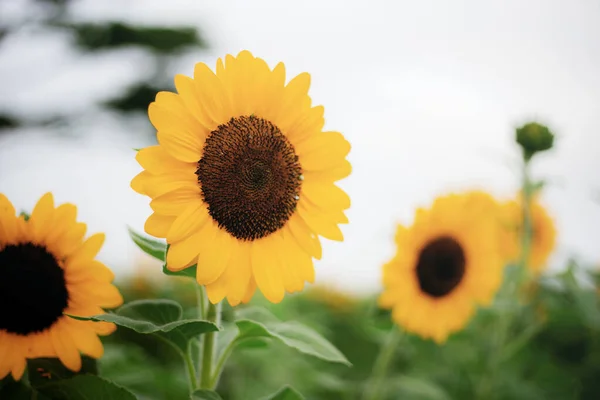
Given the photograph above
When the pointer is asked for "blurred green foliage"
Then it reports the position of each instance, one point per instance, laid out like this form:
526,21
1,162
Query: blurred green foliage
553,349
163,44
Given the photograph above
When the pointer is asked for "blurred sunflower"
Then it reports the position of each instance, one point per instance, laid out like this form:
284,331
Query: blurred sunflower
446,263
242,181
47,269
544,234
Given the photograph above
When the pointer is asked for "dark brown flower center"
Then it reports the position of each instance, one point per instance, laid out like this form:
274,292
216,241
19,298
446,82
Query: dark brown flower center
250,177
33,290
441,266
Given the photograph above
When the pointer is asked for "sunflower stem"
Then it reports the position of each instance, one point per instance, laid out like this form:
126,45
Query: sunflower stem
213,314
527,231
191,370
382,362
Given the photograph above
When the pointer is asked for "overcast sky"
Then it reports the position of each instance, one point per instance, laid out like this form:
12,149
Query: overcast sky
428,93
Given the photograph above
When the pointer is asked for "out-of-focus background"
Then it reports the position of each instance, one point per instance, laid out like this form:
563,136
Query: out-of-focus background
428,93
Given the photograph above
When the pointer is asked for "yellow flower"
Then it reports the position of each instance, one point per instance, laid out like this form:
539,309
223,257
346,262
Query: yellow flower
446,264
543,240
242,180
47,269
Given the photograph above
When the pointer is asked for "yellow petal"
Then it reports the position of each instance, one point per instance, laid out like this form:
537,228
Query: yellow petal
88,250
42,217
249,291
323,151
286,252
325,195
138,182
157,185
266,269
215,253
305,237
188,222
183,254
216,108
85,339
158,225
238,273
156,160
183,146
65,347
177,201
8,226
319,223
169,114
5,204
190,96
307,126
88,270
331,174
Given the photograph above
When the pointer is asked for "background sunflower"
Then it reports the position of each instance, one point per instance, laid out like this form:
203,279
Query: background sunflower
446,263
543,230
47,269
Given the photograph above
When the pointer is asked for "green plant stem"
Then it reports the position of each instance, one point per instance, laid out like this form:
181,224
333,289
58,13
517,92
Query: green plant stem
191,370
382,363
208,347
201,300
501,350
221,362
527,231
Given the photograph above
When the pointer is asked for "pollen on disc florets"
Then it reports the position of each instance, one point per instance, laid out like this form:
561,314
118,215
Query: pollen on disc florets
440,266
249,174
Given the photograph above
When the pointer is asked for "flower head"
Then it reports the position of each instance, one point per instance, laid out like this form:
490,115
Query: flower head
242,181
47,269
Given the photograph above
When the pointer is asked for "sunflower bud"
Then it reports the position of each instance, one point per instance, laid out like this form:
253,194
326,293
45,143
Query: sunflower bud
534,138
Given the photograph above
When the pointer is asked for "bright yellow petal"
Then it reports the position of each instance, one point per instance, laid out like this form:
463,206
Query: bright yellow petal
65,347
85,339
333,174
215,253
156,160
42,217
183,254
176,202
325,195
323,151
88,250
158,225
305,237
267,270
319,223
188,222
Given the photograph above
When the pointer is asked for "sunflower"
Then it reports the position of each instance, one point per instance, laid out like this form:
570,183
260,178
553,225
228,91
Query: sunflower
543,234
446,264
47,269
242,181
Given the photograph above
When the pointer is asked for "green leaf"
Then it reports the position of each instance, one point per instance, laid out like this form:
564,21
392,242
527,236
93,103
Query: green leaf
41,371
160,317
149,246
417,388
189,272
292,334
85,387
286,393
205,395
25,215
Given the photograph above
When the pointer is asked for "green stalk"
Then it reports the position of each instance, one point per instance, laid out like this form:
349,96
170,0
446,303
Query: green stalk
382,363
213,314
191,371
527,231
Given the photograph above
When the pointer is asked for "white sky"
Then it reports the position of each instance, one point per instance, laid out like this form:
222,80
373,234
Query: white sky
427,92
